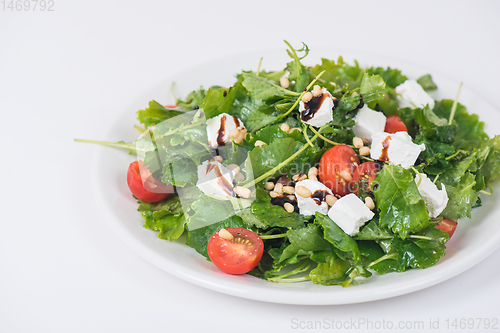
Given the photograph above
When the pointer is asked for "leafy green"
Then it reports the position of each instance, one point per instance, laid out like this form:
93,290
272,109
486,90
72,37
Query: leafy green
333,272
427,83
307,239
337,237
193,100
400,205
391,76
218,101
461,198
155,114
166,217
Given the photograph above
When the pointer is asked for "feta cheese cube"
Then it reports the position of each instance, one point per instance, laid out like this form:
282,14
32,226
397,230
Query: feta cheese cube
435,200
219,128
396,148
350,213
412,95
368,121
315,203
216,180
318,111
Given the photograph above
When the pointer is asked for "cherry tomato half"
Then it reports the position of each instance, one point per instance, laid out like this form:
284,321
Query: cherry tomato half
394,124
336,168
364,175
447,225
142,184
238,254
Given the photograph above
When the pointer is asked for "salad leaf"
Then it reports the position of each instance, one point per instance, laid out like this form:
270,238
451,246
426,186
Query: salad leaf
337,237
218,101
307,239
333,272
193,100
265,158
427,83
155,114
461,198
169,226
391,76
400,205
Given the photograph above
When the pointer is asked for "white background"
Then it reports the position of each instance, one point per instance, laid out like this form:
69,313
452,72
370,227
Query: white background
70,72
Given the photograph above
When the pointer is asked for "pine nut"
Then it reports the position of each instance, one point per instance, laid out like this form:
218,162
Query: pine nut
296,177
307,97
291,197
346,175
239,177
369,203
278,188
284,82
288,207
217,159
357,142
259,143
313,173
317,90
242,192
299,177
293,129
330,200
269,186
364,151
274,194
224,234
289,189
285,127
303,191
238,134
234,167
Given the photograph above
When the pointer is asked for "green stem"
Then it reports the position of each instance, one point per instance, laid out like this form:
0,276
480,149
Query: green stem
387,256
258,68
140,129
484,192
272,236
172,91
304,130
292,280
293,106
279,166
435,179
454,107
451,156
468,187
128,146
302,268
299,72
420,237
325,139
419,175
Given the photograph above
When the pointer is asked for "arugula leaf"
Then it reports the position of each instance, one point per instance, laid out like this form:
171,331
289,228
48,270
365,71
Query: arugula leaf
264,214
208,211
420,253
266,90
193,100
337,237
265,158
372,231
169,226
155,114
461,198
490,169
334,272
371,83
391,76
218,101
427,83
400,205
307,239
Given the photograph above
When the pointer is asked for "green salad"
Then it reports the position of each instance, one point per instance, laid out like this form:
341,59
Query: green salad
325,173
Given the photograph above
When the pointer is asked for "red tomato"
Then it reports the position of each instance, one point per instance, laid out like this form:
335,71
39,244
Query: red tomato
394,124
142,184
337,167
171,106
236,255
366,172
447,225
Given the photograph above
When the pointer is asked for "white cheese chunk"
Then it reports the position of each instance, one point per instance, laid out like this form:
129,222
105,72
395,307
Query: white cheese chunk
216,180
219,127
313,204
350,213
368,121
396,148
435,200
412,95
319,115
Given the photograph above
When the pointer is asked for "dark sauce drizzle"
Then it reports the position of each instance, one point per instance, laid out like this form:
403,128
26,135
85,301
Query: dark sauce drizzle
385,147
222,130
361,102
311,107
319,196
281,201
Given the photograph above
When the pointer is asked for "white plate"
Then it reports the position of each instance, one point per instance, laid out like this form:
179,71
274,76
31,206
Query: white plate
473,241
